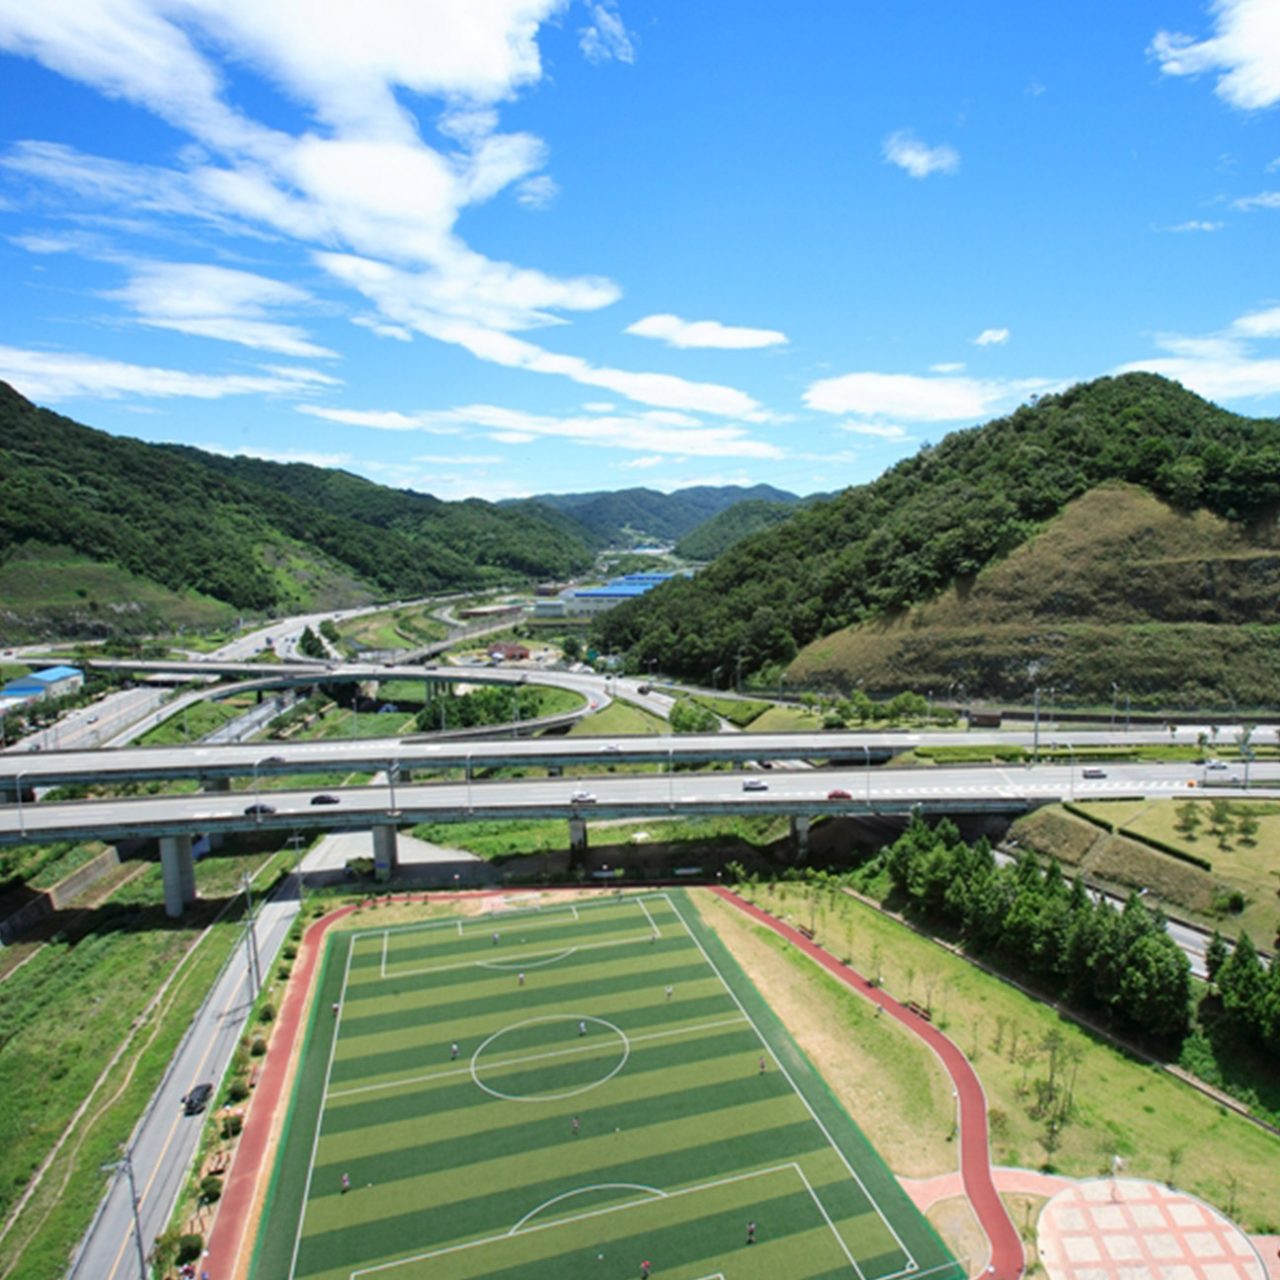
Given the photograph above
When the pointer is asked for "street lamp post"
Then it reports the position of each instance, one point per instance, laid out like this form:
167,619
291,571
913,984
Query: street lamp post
251,938
1071,771
866,751
468,774
22,819
671,778
126,1163
393,767
1115,694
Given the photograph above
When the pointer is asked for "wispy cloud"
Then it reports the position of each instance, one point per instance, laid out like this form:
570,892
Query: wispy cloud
676,332
991,338
874,397
642,432
1194,224
307,456
882,430
51,376
606,36
1264,200
1245,48
1225,365
906,151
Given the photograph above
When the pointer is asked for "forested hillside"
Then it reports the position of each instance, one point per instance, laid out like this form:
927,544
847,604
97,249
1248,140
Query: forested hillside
247,533
741,520
620,517
940,517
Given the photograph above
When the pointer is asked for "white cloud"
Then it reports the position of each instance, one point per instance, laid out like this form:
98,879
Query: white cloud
1245,48
951,366
1220,366
1264,200
642,432
606,36
905,150
459,459
50,376
216,302
382,329
329,460
991,338
875,396
884,430
676,332
539,192
1195,224
643,464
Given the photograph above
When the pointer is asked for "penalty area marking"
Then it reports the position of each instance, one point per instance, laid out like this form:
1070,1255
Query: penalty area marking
535,962
582,1191
550,1097
628,1206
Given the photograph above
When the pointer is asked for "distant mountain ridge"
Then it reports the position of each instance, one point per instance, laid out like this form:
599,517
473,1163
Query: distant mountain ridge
625,515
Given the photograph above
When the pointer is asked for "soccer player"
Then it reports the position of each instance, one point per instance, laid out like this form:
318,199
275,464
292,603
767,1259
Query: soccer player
669,990
520,978
346,1183
453,1052
582,1028
751,1232
763,1064
576,1126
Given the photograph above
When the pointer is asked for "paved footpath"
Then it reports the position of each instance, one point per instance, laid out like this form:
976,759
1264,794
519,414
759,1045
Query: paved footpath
1006,1259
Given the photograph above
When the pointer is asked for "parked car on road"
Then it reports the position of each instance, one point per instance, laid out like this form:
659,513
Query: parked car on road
259,810
196,1101
582,797
1092,771
754,784
324,799
838,793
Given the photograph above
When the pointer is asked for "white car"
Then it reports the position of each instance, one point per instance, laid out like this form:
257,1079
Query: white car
1215,764
754,784
582,797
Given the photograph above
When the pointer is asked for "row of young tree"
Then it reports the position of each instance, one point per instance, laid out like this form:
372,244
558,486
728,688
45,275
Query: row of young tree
1036,923
1249,992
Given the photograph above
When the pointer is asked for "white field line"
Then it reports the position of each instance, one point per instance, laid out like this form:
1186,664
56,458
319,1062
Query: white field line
656,932
853,1173
527,960
916,1274
386,937
518,964
574,908
315,1142
578,1191
826,1217
499,1063
579,1217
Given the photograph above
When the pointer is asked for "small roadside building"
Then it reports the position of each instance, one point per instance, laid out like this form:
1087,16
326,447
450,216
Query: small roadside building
52,682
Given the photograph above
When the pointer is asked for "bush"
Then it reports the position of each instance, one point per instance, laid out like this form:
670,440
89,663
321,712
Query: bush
258,1047
190,1247
232,1124
283,972
289,951
237,1090
211,1188
267,1013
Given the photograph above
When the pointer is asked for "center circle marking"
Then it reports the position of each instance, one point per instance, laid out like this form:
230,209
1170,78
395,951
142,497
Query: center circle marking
570,1019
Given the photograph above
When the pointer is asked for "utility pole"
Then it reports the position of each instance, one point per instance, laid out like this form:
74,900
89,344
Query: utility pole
1035,737
126,1163
251,939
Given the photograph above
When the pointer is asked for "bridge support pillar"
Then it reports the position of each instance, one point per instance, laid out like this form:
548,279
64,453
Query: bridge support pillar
179,872
386,861
577,840
215,785
800,837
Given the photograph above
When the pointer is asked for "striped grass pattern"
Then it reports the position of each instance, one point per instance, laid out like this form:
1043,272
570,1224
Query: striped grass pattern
612,1100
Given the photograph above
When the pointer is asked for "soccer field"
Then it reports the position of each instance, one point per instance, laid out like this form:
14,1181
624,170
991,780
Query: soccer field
618,1094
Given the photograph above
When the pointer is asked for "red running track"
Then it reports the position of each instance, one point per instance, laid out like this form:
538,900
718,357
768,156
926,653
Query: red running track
1006,1261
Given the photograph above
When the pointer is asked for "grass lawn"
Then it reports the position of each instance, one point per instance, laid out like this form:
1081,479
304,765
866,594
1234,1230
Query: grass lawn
629,1097
62,1015
193,722
786,719
1164,1129
396,629
618,719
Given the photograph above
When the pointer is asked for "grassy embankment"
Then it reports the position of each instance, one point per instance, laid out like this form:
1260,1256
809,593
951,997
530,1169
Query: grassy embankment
1244,864
1117,587
64,1014
1164,1129
404,628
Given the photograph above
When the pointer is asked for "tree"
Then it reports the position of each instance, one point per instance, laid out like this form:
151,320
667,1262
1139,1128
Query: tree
1215,956
1189,817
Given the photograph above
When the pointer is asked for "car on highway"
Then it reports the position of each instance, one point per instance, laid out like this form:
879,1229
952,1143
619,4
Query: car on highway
838,793
196,1101
1092,771
259,810
1215,764
270,761
324,798
611,748
754,784
582,797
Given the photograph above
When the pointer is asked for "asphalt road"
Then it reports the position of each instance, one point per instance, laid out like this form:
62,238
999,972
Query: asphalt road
164,1142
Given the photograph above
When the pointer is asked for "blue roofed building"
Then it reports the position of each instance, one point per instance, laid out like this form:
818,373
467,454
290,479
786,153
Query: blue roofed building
52,682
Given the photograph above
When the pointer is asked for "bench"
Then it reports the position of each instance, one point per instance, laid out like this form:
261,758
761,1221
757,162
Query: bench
918,1009
804,928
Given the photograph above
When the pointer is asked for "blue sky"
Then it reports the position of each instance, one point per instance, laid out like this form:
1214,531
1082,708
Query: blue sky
498,247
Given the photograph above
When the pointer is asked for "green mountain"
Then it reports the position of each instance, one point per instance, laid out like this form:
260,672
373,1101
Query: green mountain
937,520
629,517
715,536
253,536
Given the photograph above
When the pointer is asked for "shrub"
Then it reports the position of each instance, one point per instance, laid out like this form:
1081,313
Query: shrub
267,1013
283,972
232,1124
211,1188
237,1090
289,951
258,1047
190,1247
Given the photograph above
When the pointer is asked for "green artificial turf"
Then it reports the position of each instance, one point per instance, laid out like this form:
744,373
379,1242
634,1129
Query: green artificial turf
590,1120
